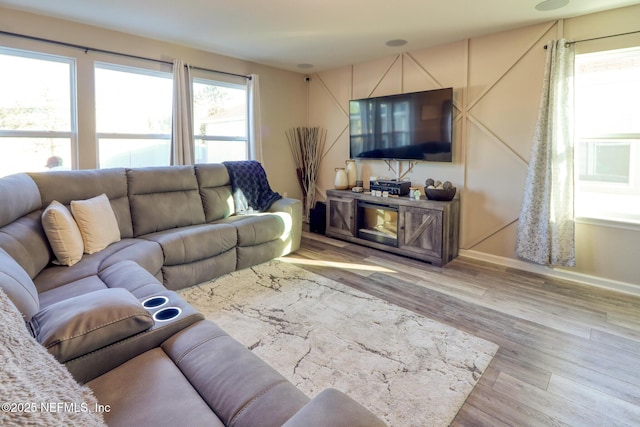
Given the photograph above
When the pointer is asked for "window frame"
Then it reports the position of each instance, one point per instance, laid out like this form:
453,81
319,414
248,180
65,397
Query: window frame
630,188
72,133
202,79
134,69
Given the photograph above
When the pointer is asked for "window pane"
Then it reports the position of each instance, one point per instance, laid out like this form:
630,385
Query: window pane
608,92
608,129
33,154
133,152
612,206
130,100
220,151
35,93
219,109
604,161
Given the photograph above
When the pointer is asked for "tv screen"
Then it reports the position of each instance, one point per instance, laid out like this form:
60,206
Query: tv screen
409,126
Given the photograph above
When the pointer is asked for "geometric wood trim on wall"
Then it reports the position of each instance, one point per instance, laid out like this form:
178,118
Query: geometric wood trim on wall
496,81
494,194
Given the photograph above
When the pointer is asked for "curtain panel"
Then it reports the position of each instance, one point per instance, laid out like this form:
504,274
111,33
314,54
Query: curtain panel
182,144
255,122
546,232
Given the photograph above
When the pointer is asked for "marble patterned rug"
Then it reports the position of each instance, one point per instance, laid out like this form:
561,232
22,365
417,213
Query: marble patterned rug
407,369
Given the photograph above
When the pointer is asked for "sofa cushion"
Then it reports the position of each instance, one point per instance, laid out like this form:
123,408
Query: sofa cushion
162,198
145,253
241,388
72,289
65,186
85,323
24,195
188,244
149,390
258,228
215,191
122,274
97,223
18,286
25,241
183,275
130,276
62,233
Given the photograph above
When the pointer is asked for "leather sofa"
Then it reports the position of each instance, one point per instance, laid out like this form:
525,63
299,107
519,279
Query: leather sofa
113,317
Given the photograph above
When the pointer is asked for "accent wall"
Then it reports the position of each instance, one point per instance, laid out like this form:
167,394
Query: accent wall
497,81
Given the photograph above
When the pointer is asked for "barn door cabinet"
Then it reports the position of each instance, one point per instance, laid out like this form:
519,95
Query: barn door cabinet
422,229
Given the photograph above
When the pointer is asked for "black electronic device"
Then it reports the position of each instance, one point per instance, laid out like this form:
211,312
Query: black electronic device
409,126
393,187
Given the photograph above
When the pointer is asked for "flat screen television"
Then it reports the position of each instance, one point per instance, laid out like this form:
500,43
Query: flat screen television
408,126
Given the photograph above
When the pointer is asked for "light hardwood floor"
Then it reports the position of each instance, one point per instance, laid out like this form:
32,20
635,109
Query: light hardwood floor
569,353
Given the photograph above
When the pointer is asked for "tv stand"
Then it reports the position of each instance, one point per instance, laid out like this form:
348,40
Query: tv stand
423,229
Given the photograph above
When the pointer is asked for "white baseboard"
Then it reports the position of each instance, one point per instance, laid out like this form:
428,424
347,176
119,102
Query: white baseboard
614,285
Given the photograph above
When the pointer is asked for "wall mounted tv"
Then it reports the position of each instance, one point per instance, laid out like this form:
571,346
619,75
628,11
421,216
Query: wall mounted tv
408,126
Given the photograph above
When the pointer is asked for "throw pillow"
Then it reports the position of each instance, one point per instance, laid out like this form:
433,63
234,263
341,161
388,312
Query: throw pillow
97,222
63,234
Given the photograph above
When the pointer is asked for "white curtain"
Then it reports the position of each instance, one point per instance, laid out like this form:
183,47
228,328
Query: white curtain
255,122
546,224
182,145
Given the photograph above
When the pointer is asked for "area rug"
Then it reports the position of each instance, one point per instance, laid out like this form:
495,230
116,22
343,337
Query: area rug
407,369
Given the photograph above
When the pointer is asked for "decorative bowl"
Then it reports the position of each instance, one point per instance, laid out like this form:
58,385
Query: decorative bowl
440,194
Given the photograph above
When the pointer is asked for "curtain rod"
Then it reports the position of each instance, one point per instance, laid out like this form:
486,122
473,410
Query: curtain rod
110,52
601,37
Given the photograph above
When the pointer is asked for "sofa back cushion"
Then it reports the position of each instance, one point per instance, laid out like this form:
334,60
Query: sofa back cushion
16,283
65,186
19,195
215,191
25,241
21,233
164,197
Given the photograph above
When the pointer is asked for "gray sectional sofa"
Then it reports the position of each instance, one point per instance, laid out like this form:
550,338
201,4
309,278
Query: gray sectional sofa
113,317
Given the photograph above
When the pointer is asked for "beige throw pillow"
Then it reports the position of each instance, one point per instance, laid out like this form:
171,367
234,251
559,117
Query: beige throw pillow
97,222
63,234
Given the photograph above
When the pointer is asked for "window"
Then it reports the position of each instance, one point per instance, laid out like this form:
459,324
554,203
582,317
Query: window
37,112
133,116
219,121
608,135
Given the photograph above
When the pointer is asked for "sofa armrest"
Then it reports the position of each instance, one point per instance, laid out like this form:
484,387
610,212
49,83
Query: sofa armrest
96,363
293,209
82,324
332,408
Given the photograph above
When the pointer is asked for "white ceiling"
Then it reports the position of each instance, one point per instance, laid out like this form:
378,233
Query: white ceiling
325,33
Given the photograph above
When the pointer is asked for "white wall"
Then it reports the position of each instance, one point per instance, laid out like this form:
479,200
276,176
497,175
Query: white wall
283,93
497,81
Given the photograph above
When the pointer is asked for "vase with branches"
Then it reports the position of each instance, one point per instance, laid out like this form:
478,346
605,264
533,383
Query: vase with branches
307,146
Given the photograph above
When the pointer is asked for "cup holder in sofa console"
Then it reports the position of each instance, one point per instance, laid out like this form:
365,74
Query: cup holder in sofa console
155,302
166,314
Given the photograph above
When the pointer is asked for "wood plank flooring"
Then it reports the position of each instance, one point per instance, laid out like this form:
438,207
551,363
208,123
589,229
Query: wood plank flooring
569,353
